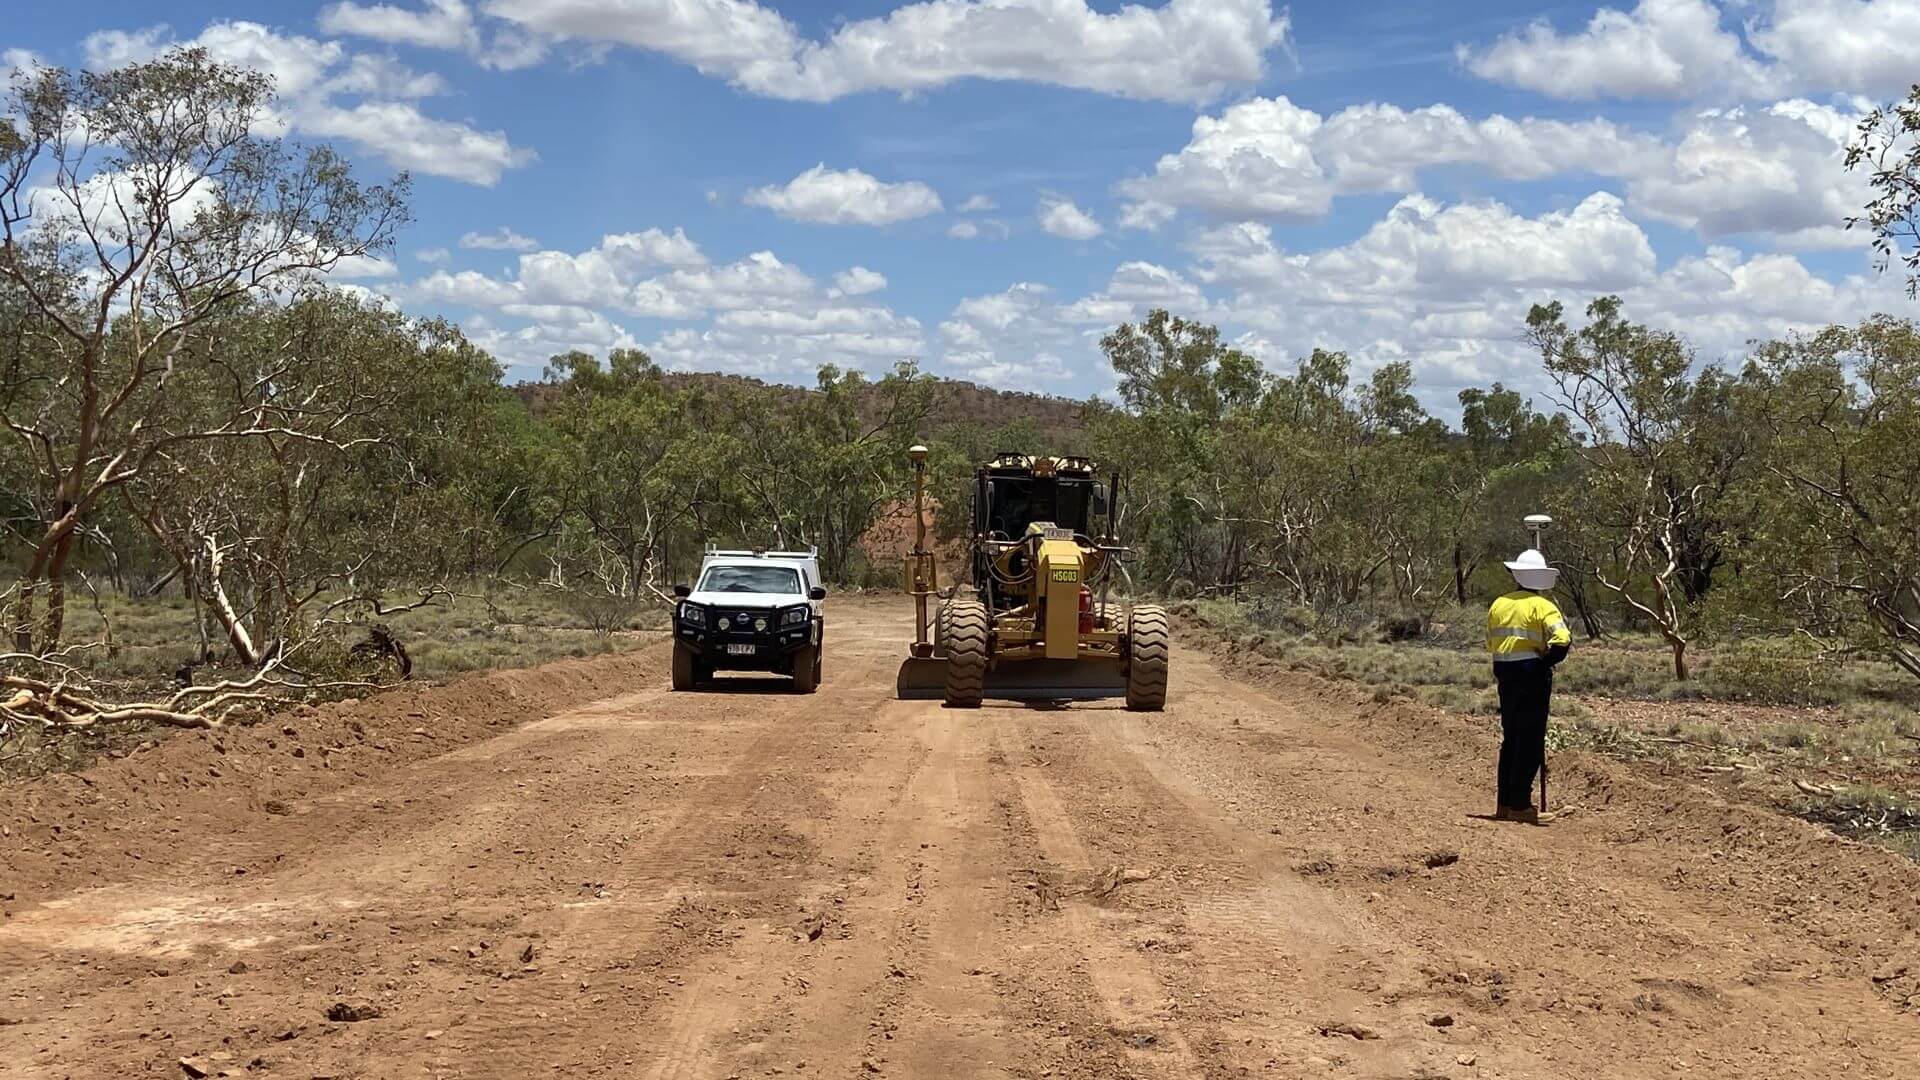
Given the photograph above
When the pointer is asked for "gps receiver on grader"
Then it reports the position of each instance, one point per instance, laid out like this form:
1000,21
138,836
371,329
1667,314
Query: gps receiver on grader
1035,622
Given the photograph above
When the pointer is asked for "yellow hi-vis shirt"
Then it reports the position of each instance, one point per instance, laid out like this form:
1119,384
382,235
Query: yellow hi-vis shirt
1522,625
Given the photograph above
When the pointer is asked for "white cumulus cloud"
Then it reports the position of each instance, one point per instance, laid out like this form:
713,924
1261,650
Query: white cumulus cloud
1776,170
412,140
441,24
850,197
1026,335
756,315
1864,46
1183,50
500,239
1271,158
312,77
858,281
1060,217
1662,48
1447,288
1738,49
437,24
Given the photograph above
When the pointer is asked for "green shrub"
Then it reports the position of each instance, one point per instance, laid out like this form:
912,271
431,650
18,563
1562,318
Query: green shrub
1773,673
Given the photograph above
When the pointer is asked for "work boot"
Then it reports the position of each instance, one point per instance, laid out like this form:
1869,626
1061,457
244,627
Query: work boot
1528,815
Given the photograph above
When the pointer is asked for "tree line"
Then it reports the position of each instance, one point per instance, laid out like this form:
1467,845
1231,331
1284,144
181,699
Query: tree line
1780,496
190,405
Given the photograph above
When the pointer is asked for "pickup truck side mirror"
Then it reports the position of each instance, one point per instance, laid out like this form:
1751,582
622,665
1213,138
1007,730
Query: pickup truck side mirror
682,591
818,592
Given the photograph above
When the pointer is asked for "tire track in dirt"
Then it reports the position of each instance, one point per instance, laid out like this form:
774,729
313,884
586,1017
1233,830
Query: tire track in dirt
1139,1009
906,908
705,878
923,967
723,1017
1264,969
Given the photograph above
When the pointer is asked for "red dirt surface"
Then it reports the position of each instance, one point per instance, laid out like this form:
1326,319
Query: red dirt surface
574,872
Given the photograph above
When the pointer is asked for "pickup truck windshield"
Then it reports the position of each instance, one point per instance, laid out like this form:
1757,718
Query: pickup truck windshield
752,579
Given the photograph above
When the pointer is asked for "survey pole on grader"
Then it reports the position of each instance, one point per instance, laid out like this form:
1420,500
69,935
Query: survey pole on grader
923,578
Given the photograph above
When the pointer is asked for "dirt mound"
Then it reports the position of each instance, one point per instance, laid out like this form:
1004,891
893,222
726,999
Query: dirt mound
70,829
889,540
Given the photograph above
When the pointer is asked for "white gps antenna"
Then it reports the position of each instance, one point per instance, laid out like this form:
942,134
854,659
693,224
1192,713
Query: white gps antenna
1537,524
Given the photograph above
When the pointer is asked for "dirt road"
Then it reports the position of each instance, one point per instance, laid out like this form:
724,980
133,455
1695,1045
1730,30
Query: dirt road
1275,877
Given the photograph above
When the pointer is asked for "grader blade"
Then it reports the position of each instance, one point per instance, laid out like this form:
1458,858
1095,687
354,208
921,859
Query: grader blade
922,678
925,679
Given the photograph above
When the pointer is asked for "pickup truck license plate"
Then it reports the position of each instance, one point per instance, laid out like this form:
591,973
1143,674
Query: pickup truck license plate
739,650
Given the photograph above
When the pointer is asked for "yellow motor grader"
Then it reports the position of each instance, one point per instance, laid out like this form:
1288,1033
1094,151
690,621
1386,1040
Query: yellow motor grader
1034,622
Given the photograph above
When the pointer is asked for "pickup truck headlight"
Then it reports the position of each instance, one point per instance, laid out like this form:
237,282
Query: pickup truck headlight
795,616
693,614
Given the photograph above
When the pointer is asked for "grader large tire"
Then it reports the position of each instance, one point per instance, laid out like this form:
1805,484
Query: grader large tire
966,635
940,616
1147,636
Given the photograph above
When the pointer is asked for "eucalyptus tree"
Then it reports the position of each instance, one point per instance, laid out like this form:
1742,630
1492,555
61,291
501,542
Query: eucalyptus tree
1643,517
1887,147
136,205
1835,550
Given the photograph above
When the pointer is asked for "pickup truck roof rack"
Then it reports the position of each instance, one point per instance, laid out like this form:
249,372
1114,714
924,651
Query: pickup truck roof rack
741,553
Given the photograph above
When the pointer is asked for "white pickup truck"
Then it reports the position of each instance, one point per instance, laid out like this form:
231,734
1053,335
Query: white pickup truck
750,611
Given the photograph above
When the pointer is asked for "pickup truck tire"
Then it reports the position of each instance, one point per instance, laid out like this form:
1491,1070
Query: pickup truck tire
806,669
686,667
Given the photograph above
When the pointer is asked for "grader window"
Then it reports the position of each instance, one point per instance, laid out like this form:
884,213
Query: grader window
1016,502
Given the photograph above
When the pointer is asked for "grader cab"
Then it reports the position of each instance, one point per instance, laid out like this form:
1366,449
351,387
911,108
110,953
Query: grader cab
1035,621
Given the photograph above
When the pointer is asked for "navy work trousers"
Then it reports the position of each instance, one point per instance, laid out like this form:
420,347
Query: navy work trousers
1526,688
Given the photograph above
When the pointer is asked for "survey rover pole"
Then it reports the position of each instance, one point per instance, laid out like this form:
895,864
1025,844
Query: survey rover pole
1537,524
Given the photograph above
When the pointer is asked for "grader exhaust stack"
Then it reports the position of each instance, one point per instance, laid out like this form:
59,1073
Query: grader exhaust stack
1035,622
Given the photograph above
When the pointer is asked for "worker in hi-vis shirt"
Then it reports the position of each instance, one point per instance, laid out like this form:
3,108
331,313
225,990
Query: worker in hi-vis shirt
1527,636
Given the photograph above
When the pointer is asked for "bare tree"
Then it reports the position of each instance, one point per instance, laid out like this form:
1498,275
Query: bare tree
136,204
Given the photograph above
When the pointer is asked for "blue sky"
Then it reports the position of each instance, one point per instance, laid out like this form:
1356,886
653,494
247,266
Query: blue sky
988,185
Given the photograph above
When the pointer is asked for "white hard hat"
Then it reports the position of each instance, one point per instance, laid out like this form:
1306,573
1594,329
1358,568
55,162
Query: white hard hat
1532,572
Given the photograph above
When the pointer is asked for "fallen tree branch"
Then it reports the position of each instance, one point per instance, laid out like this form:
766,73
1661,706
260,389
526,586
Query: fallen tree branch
69,704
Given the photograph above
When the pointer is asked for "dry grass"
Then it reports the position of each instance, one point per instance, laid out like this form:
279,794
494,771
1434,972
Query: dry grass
1757,716
148,643
1449,657
151,639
